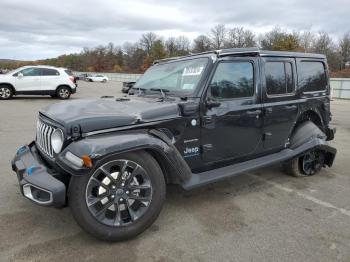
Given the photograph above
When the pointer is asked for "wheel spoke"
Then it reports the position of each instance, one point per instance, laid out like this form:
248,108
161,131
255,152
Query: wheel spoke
95,200
107,174
102,212
99,183
117,219
132,213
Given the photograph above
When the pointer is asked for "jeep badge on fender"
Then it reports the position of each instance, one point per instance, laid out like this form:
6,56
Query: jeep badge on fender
189,121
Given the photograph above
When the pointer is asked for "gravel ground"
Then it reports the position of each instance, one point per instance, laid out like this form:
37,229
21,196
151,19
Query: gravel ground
260,216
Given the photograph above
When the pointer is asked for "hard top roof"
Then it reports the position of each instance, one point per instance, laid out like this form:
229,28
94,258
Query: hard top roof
248,51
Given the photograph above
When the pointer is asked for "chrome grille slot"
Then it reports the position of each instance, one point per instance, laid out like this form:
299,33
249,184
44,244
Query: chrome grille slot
43,137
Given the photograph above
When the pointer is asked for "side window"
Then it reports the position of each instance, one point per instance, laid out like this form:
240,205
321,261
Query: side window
279,78
312,76
233,80
49,72
30,72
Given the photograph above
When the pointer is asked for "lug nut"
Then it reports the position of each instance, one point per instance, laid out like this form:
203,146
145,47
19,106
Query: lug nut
121,200
123,184
127,192
112,196
113,187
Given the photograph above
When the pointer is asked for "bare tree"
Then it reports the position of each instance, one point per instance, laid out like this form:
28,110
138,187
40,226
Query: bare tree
307,38
201,44
182,45
170,46
147,41
218,36
238,37
344,46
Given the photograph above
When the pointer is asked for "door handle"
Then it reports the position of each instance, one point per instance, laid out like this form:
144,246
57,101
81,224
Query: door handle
290,107
254,112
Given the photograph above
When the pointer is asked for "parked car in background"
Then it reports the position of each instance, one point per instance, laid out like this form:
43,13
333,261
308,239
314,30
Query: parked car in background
97,78
38,80
83,77
126,86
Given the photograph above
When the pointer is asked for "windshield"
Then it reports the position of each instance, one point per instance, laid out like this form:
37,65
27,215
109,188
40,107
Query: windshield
180,76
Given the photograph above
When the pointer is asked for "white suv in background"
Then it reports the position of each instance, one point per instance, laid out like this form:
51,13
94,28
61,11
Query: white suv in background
38,80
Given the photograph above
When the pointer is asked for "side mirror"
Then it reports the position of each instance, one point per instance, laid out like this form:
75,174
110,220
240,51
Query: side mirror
19,75
211,103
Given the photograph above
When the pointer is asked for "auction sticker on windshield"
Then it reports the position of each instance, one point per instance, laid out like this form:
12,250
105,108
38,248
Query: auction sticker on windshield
192,71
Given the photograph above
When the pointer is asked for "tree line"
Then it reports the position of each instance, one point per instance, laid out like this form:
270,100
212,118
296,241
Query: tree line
138,56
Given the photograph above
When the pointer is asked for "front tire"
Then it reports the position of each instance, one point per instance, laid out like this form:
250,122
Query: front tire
63,92
120,198
6,92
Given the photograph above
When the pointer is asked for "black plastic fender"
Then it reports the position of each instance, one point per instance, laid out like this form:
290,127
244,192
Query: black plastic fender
308,131
101,146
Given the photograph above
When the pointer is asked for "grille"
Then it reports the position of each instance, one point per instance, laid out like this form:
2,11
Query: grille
43,137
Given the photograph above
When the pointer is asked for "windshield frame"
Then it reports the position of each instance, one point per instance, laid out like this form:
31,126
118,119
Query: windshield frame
180,93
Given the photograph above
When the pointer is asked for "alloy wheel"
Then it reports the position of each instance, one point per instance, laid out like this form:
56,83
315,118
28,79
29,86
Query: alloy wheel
64,93
119,193
5,92
312,162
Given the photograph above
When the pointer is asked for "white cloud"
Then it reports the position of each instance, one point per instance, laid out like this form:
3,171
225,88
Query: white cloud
39,29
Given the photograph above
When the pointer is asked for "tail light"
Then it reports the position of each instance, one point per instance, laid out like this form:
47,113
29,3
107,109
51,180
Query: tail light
72,78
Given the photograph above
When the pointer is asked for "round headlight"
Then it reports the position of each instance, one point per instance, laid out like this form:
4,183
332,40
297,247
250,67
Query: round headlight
57,140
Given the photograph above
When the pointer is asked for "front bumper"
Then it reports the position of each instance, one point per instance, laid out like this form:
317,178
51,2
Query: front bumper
36,182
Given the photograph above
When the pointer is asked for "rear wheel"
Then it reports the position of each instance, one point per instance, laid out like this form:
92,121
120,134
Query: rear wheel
6,92
63,92
121,198
307,165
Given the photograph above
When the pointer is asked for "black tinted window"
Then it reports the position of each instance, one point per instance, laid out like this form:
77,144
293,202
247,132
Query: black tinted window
49,72
70,73
279,78
312,76
30,72
233,80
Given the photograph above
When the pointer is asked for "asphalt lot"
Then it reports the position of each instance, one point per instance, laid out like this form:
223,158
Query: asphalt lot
260,216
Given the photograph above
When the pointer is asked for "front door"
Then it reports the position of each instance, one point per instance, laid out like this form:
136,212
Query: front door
28,79
231,121
280,101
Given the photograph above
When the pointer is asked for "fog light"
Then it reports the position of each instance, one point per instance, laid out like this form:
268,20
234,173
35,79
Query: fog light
74,159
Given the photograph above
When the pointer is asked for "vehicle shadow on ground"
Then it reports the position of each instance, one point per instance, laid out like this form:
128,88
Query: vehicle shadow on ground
199,206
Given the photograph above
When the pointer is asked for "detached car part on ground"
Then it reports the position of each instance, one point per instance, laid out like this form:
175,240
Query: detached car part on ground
228,112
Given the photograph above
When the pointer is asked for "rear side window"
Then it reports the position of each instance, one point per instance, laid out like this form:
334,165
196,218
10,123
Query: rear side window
279,78
49,72
68,72
312,76
233,80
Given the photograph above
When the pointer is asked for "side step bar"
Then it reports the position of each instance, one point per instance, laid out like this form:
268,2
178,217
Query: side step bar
204,178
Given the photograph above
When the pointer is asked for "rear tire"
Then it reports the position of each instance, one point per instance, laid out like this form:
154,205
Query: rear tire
307,165
63,92
115,202
6,92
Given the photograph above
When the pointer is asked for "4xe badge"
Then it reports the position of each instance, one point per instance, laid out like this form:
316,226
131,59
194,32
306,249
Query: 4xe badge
191,151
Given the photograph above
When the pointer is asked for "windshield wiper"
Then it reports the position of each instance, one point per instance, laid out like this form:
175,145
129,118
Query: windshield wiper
161,90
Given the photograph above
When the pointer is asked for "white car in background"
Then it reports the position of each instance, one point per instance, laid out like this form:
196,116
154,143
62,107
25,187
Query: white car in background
38,80
97,78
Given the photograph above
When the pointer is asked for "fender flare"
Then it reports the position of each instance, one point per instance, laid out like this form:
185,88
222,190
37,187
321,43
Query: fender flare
308,131
99,147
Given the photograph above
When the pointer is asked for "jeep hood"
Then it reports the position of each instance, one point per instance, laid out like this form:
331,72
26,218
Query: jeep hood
100,114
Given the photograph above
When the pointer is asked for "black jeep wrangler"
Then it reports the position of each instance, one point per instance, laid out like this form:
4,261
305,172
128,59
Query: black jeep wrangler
190,121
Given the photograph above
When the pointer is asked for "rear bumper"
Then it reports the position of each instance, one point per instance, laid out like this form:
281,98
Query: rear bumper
35,181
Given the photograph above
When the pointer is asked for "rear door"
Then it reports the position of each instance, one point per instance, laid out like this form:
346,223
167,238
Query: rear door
279,100
49,79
